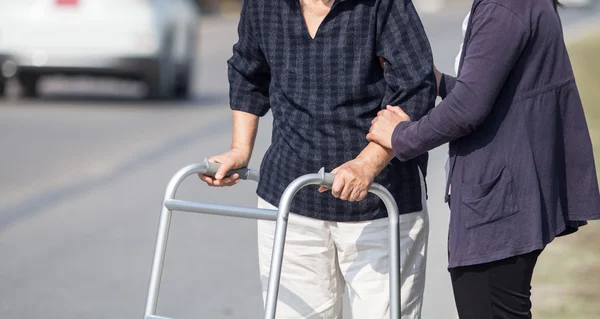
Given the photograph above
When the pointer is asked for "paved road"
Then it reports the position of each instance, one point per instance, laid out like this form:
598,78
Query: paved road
81,182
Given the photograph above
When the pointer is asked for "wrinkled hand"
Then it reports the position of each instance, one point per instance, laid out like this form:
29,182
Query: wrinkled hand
233,159
352,180
382,127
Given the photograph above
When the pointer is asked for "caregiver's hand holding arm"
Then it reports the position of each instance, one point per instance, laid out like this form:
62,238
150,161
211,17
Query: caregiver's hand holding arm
382,127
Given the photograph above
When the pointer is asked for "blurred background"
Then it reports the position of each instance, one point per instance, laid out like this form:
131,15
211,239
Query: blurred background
102,101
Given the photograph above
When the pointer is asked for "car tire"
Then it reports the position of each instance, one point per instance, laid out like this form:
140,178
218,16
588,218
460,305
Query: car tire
29,85
161,83
185,74
182,84
155,87
2,87
184,80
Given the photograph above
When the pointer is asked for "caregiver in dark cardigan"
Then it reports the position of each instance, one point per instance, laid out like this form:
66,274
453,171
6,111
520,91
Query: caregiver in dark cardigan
521,166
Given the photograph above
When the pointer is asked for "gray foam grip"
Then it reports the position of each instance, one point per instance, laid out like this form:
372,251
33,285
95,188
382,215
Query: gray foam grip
212,168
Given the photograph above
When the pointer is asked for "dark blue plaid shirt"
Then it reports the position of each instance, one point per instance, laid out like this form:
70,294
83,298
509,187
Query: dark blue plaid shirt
325,91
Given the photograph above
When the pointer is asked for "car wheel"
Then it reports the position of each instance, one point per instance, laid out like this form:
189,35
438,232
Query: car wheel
29,87
2,87
185,74
182,84
161,83
184,80
154,87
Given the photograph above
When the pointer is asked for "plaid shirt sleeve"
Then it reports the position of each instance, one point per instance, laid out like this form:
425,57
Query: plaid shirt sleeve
408,71
248,70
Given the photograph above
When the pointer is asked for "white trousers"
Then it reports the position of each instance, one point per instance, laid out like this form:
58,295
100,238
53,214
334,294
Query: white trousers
322,259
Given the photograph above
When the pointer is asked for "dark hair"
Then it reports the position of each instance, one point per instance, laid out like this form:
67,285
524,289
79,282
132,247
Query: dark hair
557,4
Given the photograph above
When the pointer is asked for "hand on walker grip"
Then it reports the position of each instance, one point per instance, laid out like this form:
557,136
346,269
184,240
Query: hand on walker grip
352,180
233,159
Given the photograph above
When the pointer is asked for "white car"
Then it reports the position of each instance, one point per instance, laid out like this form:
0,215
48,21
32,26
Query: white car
149,40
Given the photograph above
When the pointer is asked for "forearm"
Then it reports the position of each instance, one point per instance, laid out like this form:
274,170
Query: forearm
411,139
245,127
376,157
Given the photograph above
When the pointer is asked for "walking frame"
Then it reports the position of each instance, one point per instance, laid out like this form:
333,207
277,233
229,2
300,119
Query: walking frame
321,178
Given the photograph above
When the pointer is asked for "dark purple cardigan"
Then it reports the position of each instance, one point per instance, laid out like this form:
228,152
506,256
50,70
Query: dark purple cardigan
521,160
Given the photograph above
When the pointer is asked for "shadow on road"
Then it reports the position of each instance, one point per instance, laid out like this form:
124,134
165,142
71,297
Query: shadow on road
119,101
105,93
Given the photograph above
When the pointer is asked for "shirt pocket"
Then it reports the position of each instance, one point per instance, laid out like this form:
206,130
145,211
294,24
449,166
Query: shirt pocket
489,202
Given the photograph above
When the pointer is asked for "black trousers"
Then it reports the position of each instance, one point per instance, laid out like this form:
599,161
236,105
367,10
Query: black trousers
496,290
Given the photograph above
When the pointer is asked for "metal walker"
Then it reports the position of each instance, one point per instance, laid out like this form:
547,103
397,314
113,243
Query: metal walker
321,178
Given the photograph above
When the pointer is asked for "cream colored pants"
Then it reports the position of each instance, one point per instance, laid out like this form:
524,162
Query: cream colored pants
322,259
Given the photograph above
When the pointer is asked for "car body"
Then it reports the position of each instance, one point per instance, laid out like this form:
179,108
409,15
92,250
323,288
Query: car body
150,40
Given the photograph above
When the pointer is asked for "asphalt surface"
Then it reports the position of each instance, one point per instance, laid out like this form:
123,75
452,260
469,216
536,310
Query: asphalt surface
82,174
